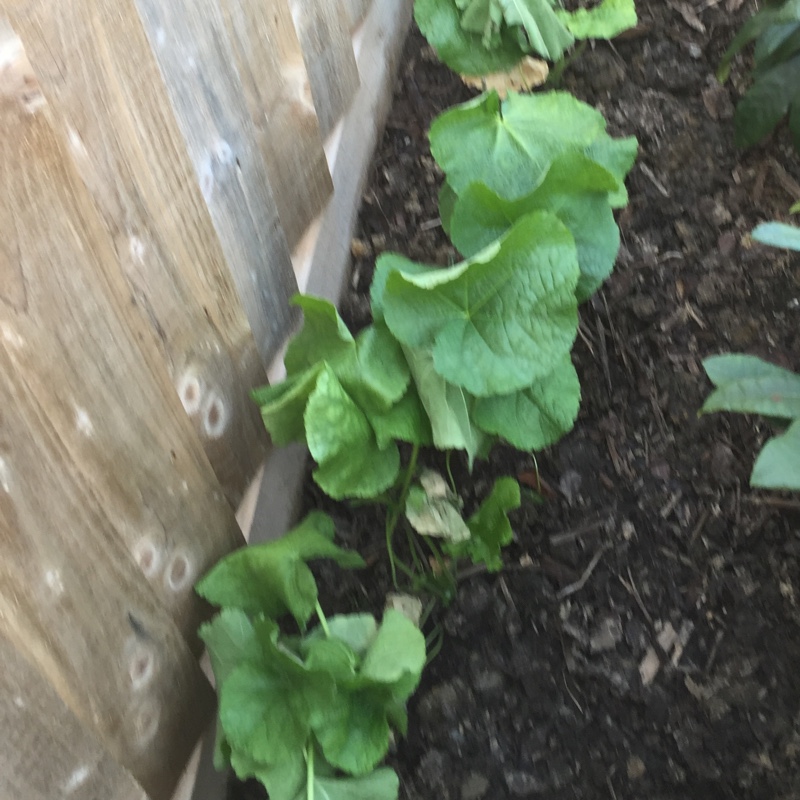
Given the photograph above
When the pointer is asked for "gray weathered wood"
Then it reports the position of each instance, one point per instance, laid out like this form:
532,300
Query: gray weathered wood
191,44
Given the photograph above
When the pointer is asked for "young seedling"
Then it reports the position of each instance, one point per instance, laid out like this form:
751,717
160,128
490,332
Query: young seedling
309,715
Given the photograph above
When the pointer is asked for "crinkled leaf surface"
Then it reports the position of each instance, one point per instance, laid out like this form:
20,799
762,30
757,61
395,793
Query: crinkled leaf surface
283,406
323,337
406,420
283,780
778,463
273,578
353,730
499,321
778,234
463,51
536,417
265,708
448,407
509,146
546,34
341,440
575,189
490,527
230,640
752,386
604,21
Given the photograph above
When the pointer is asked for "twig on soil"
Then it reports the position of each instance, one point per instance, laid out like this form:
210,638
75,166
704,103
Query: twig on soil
557,539
572,696
587,573
634,592
784,503
790,185
430,224
650,175
617,342
601,338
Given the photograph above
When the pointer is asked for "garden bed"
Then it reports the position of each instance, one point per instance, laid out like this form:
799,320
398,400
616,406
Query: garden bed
644,636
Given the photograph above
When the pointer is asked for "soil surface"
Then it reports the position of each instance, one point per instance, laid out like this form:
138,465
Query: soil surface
644,637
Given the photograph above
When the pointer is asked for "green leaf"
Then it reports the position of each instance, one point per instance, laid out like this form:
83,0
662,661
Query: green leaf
341,440
778,234
604,21
535,417
283,406
462,51
273,578
357,631
490,527
353,730
545,33
778,464
617,156
447,202
767,102
396,656
575,189
323,337
378,376
752,386
406,420
266,708
283,780
497,322
230,640
447,406
385,264
382,784
332,656
509,146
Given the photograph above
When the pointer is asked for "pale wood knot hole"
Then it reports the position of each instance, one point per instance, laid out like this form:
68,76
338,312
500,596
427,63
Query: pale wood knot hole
190,390
148,557
179,572
215,416
141,667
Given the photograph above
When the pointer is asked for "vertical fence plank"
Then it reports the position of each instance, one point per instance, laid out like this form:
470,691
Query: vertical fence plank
47,752
99,75
356,10
192,48
108,508
323,30
89,366
276,85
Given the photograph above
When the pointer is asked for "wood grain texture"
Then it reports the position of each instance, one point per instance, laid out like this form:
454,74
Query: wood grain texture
276,85
47,752
193,50
356,10
323,29
109,509
100,78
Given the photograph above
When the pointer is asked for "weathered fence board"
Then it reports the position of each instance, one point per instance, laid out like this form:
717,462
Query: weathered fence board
323,29
47,752
356,10
191,44
95,63
278,94
101,471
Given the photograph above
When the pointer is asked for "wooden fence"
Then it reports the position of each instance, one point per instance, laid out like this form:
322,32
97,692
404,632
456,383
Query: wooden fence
161,161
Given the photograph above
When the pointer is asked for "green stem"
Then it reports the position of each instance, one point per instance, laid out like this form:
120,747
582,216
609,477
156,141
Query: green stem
323,621
394,515
310,772
450,471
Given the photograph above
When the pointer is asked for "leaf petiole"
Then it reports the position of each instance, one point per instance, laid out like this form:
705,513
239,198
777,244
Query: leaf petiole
310,767
323,621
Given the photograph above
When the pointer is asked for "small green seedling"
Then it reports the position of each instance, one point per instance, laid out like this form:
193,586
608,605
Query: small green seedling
775,89
310,715
751,386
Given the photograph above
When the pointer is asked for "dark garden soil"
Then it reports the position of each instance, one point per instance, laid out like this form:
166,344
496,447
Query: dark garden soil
644,638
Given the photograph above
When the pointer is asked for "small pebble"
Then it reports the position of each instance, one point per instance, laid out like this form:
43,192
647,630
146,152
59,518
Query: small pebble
636,768
474,786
